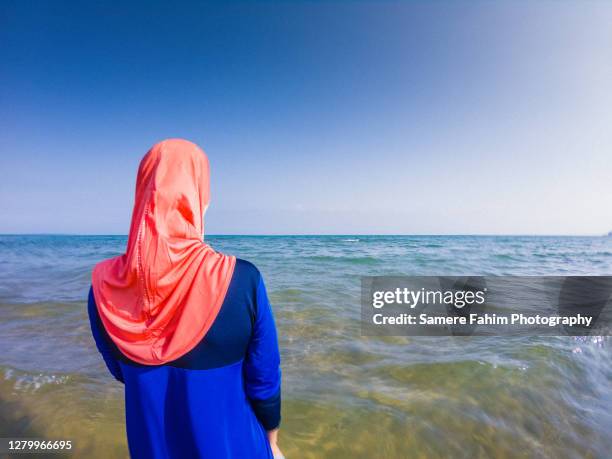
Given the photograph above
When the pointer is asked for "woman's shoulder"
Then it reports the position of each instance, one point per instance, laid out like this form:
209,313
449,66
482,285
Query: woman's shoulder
245,271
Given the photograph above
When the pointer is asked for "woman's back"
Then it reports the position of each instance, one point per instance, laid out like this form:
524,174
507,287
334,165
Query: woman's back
217,400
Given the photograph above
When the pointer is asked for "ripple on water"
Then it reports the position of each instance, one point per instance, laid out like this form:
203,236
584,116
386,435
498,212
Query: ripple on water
28,382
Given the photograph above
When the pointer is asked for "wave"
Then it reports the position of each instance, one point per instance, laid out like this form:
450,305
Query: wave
364,260
29,382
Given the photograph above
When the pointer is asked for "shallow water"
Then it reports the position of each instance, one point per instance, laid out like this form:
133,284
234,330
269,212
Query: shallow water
344,395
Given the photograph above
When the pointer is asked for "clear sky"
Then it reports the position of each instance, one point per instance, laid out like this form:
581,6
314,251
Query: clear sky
349,117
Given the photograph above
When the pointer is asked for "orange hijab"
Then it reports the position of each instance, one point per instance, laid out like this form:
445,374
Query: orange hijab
158,300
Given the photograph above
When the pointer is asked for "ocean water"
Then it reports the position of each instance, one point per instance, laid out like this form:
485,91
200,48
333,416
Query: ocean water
344,395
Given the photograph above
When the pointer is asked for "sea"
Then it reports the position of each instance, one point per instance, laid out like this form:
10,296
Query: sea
344,395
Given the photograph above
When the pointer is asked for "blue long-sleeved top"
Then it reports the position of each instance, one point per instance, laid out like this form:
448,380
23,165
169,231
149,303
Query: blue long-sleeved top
219,399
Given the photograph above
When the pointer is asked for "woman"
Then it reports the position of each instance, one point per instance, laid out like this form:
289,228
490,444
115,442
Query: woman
188,330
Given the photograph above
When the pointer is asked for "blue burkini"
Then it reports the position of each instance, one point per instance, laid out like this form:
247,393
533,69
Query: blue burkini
219,399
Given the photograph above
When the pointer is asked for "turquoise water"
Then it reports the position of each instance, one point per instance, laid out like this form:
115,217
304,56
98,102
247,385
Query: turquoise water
344,395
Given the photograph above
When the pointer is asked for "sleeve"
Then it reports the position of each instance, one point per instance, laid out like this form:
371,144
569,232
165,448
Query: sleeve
262,364
104,344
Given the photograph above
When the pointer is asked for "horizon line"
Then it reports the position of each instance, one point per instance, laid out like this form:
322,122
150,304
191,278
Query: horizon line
330,234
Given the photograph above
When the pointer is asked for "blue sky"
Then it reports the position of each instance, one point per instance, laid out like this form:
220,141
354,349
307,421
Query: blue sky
349,117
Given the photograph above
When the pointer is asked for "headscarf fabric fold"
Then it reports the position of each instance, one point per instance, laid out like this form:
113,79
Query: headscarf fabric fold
159,298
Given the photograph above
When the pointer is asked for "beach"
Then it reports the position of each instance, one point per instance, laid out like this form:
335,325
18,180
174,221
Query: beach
344,395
